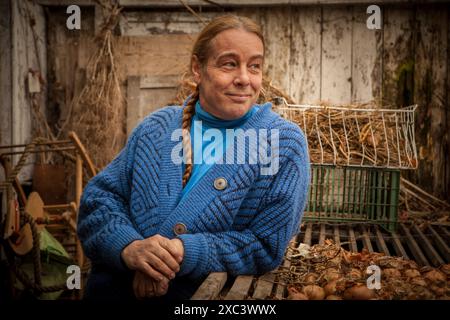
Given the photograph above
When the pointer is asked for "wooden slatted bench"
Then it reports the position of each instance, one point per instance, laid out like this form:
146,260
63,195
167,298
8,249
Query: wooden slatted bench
427,247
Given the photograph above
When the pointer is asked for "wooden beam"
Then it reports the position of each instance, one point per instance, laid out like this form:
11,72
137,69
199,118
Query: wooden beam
432,254
227,3
240,288
322,234
308,234
366,239
351,234
337,239
440,244
398,246
281,287
211,287
414,247
380,242
264,286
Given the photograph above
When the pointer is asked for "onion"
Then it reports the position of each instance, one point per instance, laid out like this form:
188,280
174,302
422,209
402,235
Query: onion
359,292
333,297
391,273
355,274
311,278
419,281
314,292
437,290
435,276
412,273
330,288
331,274
446,269
294,294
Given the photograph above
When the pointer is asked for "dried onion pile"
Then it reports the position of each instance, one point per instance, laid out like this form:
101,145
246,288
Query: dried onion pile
330,272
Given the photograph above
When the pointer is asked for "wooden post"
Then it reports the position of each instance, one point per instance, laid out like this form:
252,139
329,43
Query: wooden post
78,191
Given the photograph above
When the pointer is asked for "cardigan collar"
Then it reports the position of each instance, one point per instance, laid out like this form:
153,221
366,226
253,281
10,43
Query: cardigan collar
171,176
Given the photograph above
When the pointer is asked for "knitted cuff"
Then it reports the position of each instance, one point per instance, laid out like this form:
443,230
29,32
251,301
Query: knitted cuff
116,242
196,253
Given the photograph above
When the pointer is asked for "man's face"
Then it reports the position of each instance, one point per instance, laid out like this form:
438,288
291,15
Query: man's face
230,82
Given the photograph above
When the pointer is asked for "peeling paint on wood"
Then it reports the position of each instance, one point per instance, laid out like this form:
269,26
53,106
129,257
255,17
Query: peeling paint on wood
305,55
336,54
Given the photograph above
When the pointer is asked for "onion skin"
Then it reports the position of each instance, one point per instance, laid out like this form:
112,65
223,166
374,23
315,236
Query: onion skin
314,292
330,288
391,273
359,292
419,281
412,273
331,274
333,297
294,294
311,278
435,276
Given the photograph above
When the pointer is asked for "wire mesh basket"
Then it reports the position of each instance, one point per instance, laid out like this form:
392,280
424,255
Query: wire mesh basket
365,137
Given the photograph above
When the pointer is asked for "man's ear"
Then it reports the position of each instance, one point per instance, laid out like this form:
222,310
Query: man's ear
196,69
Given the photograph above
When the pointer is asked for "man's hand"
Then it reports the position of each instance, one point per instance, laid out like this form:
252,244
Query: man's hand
146,287
157,257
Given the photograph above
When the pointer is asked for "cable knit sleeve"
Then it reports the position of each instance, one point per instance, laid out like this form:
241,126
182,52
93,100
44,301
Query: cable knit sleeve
260,247
104,226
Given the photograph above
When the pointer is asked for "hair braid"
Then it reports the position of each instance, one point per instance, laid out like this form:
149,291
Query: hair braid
188,113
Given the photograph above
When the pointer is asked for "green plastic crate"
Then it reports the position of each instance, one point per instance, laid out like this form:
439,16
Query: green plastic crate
354,194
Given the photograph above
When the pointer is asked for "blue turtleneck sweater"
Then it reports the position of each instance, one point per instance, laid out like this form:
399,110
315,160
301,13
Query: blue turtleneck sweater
243,228
204,146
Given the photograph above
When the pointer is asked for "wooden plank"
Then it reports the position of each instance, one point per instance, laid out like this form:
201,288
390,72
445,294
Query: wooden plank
159,81
440,244
308,234
430,92
276,27
337,239
152,22
366,239
380,241
5,76
336,55
351,234
219,3
211,287
305,64
263,287
134,113
154,54
398,246
322,234
240,288
398,57
367,53
281,287
432,254
414,247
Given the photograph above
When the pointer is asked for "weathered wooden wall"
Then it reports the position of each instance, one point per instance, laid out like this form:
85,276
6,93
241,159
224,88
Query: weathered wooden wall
313,52
22,49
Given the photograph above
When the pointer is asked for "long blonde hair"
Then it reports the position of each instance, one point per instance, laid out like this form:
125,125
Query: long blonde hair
201,50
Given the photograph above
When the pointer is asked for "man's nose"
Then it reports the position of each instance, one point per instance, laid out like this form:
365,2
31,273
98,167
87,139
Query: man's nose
242,78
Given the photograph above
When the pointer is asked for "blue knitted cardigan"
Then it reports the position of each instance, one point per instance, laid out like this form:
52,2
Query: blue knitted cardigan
242,229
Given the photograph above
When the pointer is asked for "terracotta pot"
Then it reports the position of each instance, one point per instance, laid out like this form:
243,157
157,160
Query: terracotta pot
50,181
